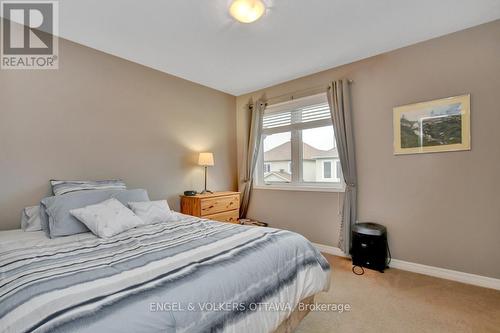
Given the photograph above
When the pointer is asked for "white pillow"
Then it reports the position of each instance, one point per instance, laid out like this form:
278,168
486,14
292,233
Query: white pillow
30,219
107,218
152,211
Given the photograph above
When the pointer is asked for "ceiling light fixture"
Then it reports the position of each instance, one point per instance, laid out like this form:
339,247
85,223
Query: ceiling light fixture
247,11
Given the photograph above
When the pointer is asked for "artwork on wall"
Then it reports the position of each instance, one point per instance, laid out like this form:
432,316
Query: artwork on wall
434,126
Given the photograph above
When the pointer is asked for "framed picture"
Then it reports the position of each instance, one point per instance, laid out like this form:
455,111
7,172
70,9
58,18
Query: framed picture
434,126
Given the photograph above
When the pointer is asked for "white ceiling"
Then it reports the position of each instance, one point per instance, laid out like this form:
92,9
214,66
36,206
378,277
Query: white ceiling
198,40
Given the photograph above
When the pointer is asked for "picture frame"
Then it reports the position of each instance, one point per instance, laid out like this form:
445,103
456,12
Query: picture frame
439,125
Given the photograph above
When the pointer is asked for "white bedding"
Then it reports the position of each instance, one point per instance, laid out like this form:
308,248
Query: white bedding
17,238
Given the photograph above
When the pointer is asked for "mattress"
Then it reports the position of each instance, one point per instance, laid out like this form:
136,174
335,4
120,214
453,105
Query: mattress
192,275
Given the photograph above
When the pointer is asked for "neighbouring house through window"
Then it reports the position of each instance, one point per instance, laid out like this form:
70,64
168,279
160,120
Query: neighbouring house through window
298,146
327,169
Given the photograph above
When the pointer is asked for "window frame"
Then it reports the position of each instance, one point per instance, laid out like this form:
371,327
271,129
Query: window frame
296,143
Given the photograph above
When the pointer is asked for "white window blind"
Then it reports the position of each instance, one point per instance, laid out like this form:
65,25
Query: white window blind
313,109
277,120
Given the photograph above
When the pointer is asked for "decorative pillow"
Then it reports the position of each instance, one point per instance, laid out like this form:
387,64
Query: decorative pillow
58,220
60,187
152,212
107,218
30,219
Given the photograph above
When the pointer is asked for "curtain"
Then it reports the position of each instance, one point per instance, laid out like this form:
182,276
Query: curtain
339,101
254,142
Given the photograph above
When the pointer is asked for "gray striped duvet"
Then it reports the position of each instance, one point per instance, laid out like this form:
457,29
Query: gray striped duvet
189,276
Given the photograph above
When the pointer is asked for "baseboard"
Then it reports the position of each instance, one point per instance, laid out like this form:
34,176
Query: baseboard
443,273
330,250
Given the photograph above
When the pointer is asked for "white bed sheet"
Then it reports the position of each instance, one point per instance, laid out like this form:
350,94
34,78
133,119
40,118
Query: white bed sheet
17,238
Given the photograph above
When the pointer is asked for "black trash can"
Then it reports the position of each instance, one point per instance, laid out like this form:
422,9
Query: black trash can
369,246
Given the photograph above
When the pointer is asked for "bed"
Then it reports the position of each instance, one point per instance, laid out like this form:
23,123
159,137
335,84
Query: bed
190,275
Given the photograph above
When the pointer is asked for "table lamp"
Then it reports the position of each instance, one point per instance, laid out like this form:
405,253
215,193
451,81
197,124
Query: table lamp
206,160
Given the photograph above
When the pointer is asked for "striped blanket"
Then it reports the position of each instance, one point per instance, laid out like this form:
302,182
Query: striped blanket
192,275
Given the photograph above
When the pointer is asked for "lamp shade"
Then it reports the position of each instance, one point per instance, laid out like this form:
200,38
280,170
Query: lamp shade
206,159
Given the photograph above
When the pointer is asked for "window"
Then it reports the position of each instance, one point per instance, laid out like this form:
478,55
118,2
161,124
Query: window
298,147
327,169
277,155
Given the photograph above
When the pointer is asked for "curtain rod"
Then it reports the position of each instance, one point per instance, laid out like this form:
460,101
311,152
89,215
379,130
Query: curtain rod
298,94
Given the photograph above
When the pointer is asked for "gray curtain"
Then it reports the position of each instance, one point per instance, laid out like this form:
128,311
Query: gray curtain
340,107
254,141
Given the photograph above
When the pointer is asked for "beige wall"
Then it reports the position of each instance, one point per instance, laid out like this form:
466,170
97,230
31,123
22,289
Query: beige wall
99,117
440,209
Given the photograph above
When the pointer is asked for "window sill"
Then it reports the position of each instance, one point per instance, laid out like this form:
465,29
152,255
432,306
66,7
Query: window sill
300,188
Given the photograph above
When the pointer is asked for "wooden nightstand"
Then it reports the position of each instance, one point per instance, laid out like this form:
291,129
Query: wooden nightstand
219,206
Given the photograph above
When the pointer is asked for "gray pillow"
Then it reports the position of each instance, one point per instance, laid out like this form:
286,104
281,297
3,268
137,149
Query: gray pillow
131,196
60,220
44,218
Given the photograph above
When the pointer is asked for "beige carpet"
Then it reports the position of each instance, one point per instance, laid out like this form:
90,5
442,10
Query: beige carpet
399,301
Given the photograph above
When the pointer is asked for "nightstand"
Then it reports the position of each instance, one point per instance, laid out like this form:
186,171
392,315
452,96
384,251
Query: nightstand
218,206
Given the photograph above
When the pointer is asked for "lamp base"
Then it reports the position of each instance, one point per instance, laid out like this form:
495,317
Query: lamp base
206,191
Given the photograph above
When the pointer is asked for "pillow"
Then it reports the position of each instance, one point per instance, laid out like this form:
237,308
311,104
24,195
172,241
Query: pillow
60,187
152,211
44,218
59,221
30,219
131,195
107,218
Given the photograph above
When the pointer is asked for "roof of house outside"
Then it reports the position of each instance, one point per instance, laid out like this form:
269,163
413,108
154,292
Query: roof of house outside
283,151
278,175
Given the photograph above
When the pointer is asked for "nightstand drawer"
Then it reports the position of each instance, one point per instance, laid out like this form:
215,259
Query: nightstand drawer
218,206
230,216
210,206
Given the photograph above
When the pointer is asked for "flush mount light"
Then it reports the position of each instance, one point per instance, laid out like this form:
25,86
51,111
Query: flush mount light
247,11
